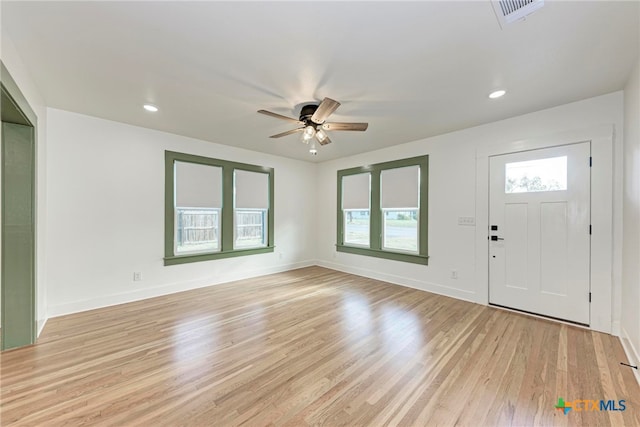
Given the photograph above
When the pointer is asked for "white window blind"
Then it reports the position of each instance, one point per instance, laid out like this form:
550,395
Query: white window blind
251,189
198,186
400,187
356,191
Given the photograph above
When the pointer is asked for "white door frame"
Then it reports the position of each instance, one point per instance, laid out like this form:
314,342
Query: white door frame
601,138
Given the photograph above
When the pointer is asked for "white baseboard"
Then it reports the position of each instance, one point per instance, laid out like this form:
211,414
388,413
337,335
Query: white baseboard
122,298
615,328
632,353
403,281
41,324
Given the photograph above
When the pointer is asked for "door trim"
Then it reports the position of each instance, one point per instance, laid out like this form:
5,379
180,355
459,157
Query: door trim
601,138
12,89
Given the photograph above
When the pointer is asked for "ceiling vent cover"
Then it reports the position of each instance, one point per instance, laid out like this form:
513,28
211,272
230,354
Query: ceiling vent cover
510,11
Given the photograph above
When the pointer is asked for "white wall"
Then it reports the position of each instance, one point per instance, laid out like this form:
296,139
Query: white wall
106,214
452,186
14,65
631,252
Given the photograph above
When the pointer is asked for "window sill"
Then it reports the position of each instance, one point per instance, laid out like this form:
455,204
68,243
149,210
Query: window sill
395,256
184,259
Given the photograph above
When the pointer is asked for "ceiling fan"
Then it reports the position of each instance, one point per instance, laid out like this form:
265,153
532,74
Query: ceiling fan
313,118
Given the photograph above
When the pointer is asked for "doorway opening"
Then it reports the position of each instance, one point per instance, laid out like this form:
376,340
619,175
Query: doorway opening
17,217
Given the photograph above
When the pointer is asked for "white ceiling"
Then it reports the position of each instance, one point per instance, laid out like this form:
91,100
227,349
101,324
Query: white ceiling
410,69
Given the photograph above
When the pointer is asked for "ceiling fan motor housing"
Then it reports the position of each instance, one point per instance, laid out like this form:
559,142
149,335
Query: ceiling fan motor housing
307,111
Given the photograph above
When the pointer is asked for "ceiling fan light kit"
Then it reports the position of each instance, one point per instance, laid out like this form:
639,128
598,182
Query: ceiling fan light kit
308,133
313,118
320,135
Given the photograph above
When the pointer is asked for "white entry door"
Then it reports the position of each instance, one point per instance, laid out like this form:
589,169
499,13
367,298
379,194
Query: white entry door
539,216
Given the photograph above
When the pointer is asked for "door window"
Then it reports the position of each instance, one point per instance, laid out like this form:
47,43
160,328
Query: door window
548,174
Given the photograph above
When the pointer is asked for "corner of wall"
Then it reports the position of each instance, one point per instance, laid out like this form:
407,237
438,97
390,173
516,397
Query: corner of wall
316,208
630,289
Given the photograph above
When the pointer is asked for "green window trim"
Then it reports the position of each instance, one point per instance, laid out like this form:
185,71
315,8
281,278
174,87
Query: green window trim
375,215
227,219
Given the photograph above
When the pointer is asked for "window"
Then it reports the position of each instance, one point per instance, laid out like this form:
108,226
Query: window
250,228
356,208
251,190
536,175
197,207
399,200
356,227
382,210
400,230
216,209
197,230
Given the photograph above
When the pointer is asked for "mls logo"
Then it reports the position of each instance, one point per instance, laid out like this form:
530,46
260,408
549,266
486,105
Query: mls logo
587,405
562,406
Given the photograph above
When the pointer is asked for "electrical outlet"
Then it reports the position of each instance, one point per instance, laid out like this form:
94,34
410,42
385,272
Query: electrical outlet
466,220
454,274
137,276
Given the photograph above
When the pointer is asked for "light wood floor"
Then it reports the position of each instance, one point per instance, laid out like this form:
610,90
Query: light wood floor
312,347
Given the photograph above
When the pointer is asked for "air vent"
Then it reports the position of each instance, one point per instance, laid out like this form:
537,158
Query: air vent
510,11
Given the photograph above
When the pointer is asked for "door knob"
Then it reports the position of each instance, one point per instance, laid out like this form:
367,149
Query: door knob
496,238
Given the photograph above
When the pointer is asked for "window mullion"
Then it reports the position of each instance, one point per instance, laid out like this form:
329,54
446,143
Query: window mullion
375,215
227,209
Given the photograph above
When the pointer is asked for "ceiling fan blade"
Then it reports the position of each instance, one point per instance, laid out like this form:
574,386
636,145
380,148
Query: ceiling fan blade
326,107
289,132
325,141
279,116
345,126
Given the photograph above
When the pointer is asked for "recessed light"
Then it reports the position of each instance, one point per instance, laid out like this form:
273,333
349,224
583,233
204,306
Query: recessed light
150,107
497,94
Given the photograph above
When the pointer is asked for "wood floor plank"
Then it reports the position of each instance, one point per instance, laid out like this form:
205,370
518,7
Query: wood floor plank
312,347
